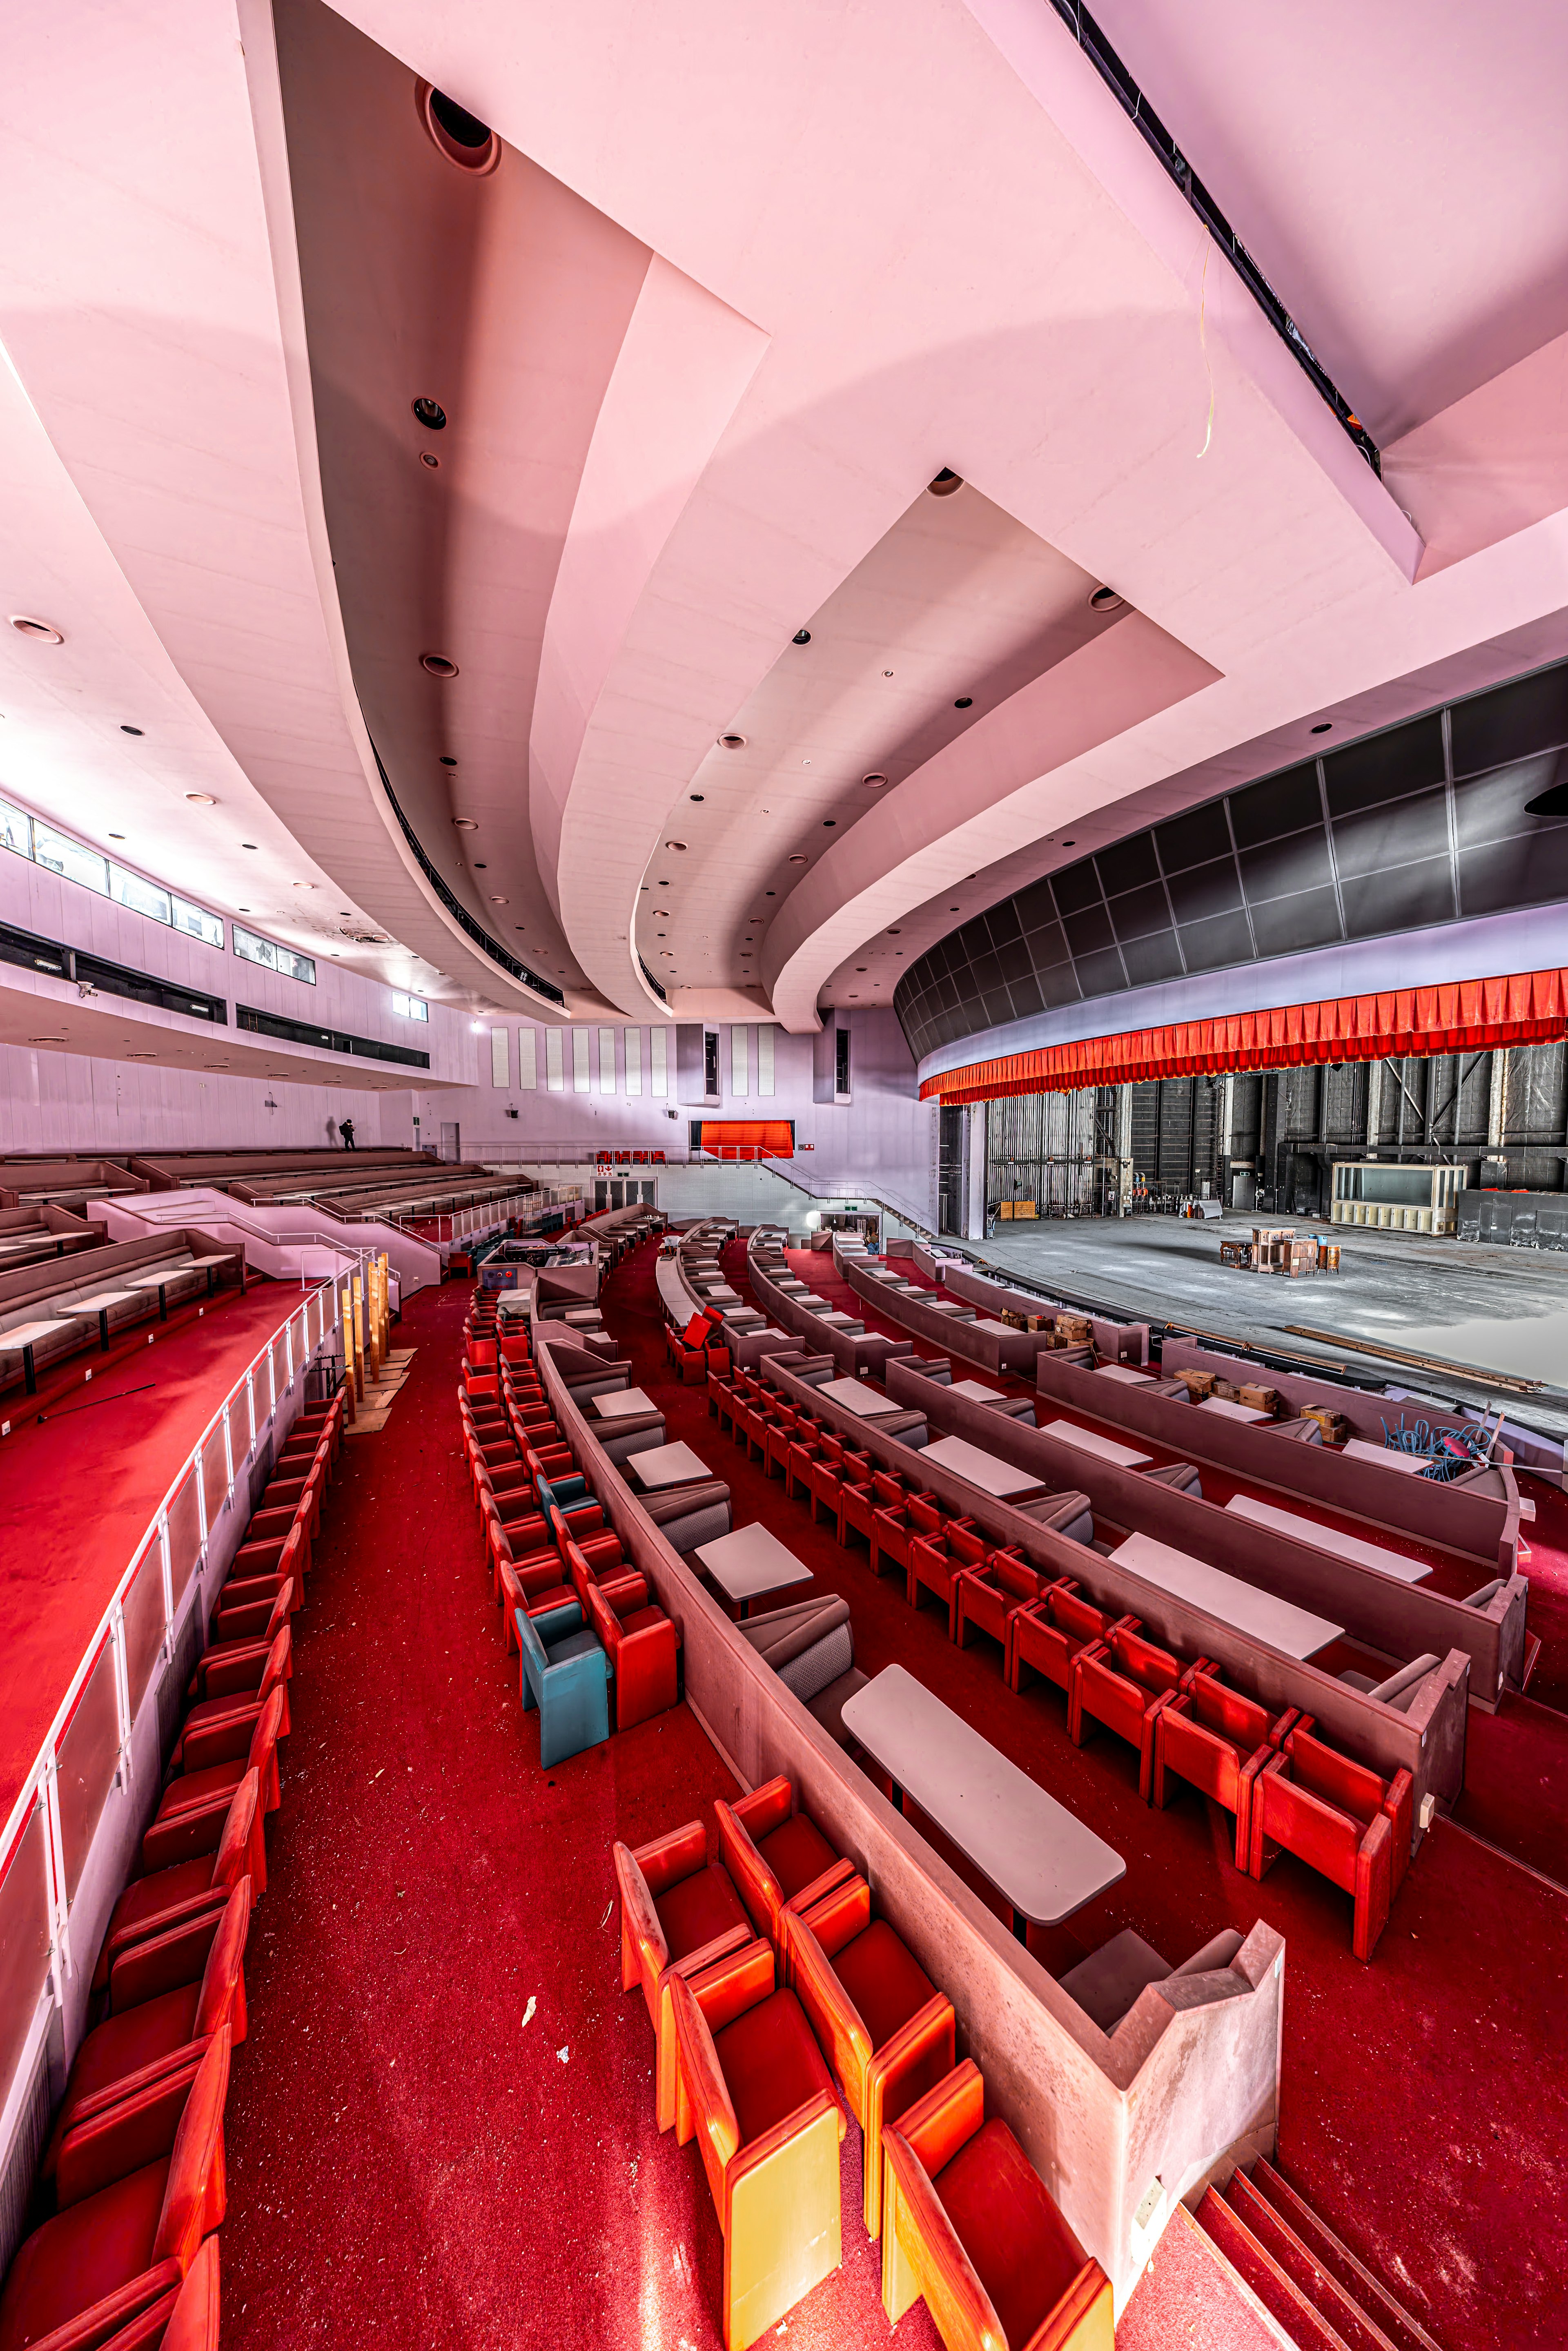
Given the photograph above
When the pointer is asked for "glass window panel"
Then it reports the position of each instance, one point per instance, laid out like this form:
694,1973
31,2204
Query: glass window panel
141,897
251,948
197,924
89,1758
280,1365
24,1942
215,1475
184,1539
15,834
69,858
144,1626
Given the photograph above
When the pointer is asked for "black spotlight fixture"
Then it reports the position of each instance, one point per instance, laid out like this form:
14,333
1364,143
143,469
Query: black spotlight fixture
129,730
430,413
965,701
801,637
943,485
1323,727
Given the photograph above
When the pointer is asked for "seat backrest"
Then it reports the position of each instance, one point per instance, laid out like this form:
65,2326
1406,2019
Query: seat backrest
195,2163
229,1862
1318,1832
1013,1576
601,1616
1143,1660
264,1737
278,1665
924,1512
1076,1614
888,1489
1229,1713
222,1975
1334,1776
1401,1688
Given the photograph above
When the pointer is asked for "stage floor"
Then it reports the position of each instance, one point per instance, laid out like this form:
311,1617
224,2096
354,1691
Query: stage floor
77,1494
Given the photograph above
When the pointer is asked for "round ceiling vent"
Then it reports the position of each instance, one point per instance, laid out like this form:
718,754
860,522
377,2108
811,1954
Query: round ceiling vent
438,664
428,457
200,800
732,742
1105,600
945,483
462,138
674,844
798,858
875,782
40,629
467,823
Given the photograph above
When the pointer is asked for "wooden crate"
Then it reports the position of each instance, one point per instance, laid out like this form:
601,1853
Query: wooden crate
1261,1399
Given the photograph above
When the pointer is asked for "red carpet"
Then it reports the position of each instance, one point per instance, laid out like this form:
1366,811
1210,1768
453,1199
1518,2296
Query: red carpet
1425,2110
77,1494
414,2158
1190,2295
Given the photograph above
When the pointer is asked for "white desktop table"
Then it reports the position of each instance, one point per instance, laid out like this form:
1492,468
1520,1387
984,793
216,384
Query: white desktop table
1088,1441
982,1469
1345,1546
974,1392
1232,1411
622,1401
1295,1631
1123,1372
858,1395
1035,1852
750,1563
667,1465
99,1304
23,1337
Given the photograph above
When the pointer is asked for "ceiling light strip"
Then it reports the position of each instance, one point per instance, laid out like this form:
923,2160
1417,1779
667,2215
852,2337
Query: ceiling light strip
1131,99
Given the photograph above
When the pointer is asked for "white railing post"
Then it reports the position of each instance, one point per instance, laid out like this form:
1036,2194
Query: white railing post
166,1562
60,1966
121,1688
200,1485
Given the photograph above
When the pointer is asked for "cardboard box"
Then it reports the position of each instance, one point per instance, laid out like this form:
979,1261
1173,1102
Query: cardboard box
1261,1399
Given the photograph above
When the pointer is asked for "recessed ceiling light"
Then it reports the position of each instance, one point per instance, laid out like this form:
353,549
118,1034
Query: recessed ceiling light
307,885
945,483
244,910
772,893
460,136
430,413
801,637
40,631
500,902
895,933
140,1057
447,761
248,844
797,859
828,822
699,796
1324,727
202,800
428,457
130,730
117,836
965,701
732,742
952,910
861,966
481,865
1066,844
674,844
438,664
1105,600
46,1041
467,823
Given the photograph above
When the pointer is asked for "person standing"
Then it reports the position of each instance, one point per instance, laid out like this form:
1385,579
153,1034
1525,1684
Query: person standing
346,1129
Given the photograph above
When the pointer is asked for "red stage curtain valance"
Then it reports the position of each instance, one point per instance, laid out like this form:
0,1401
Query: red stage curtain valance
749,1138
1465,1016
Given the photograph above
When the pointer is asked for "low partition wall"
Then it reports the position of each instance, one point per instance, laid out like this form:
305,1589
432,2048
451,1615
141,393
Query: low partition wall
1492,1635
1400,1621
1428,1742
1367,1412
853,1352
1115,1343
994,1351
73,1831
1120,2126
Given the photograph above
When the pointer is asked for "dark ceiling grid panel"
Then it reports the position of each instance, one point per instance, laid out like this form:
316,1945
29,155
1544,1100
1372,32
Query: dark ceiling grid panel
1422,824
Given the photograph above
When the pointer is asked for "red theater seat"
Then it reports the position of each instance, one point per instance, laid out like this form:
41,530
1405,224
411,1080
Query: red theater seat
887,2031
643,1647
779,1859
753,2087
1341,1820
1122,1682
898,1524
969,2224
679,1914
990,1597
114,2249
1047,1637
191,1887
229,1713
185,2319
1219,1740
167,1997
252,1620
938,1557
214,1783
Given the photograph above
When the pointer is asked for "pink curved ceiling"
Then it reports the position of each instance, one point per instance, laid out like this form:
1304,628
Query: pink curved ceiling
743,283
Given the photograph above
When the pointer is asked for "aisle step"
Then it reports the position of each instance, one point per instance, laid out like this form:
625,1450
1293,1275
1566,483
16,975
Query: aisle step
1257,2268
1406,2333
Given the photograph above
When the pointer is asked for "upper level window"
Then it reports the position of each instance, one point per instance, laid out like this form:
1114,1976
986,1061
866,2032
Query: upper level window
29,837
273,957
410,1008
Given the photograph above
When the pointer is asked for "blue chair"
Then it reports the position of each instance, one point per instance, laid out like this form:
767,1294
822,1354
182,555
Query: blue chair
566,1674
560,1490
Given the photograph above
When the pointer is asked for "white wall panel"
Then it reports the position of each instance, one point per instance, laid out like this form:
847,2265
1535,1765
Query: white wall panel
527,1060
580,1077
554,1077
659,1062
607,1060
765,1060
739,1060
633,1061
501,1058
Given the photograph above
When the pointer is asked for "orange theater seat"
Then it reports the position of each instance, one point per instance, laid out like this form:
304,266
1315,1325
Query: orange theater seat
887,2031
167,1998
969,2224
679,1913
118,2245
753,2087
778,1858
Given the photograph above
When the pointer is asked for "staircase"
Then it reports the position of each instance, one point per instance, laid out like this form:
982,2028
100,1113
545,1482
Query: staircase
1315,2289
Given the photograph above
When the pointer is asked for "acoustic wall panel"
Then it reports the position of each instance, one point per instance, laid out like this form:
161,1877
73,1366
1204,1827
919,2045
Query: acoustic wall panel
528,1059
633,1061
555,1079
